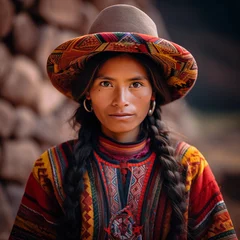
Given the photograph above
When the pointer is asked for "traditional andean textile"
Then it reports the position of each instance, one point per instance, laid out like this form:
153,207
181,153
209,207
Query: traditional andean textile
122,199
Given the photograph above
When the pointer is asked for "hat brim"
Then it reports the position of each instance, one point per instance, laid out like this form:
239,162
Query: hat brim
67,60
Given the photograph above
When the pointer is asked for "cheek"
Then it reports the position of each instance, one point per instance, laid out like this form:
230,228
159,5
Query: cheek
145,93
98,110
95,95
99,101
145,98
98,105
142,106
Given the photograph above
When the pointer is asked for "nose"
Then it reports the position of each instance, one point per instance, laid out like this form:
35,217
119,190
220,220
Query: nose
121,97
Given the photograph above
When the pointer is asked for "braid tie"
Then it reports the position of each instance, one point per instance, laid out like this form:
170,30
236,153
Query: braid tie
171,171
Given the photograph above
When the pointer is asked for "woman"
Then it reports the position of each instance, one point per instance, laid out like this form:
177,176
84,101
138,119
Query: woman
123,178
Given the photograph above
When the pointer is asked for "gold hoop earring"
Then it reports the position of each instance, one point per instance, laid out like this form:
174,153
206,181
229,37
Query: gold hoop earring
150,112
85,106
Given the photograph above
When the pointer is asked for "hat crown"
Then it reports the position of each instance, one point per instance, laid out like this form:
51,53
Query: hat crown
123,18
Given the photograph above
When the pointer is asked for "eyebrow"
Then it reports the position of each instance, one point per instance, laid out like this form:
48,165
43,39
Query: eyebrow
130,79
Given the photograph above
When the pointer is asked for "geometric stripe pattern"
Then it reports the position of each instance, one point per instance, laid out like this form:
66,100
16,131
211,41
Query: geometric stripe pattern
87,211
145,212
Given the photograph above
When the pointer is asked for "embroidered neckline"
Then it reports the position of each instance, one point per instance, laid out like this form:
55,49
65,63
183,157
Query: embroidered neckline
123,151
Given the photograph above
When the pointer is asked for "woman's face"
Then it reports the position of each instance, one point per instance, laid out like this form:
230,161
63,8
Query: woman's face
120,97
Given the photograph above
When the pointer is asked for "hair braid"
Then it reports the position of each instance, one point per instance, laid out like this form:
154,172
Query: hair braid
171,171
73,186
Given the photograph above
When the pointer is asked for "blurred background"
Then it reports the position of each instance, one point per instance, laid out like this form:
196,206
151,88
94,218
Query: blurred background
34,116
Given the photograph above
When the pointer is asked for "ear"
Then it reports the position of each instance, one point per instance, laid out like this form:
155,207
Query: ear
153,98
88,96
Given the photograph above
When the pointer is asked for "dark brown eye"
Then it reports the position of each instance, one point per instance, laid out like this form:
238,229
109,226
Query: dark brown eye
136,85
105,84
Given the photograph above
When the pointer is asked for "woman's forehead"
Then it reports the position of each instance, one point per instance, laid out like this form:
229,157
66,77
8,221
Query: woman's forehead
124,64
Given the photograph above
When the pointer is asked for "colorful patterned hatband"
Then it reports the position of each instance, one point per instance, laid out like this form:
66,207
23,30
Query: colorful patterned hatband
68,59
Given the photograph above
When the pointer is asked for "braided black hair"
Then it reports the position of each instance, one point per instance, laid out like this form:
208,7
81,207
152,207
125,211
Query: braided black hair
70,226
71,223
172,172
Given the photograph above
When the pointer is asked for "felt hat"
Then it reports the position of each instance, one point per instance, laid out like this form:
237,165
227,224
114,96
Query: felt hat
123,28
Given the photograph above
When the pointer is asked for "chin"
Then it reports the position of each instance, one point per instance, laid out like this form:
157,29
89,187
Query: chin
122,129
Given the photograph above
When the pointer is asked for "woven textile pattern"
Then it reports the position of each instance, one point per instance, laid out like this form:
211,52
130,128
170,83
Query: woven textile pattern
113,209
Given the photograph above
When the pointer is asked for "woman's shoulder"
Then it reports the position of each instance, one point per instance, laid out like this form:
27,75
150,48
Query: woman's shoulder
50,167
191,158
64,149
60,152
188,152
54,160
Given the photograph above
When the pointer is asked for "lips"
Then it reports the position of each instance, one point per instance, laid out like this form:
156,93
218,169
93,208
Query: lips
120,114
